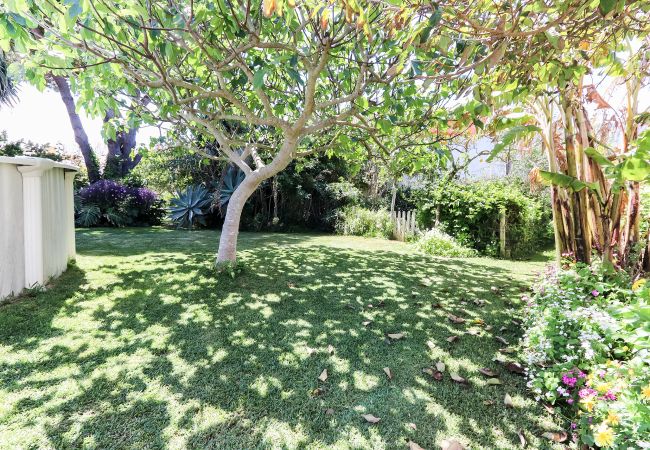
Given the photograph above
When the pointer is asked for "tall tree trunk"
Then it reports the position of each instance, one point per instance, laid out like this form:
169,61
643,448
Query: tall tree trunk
118,159
80,136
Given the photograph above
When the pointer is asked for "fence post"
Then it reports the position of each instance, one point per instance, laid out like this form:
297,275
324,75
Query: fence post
502,233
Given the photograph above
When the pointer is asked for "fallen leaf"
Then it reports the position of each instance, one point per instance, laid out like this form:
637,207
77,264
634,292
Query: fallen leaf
366,323
488,327
493,381
323,375
495,290
522,438
488,402
455,319
501,340
556,436
452,338
479,302
318,391
440,366
457,378
329,411
514,367
435,374
479,321
412,426
548,408
370,418
395,336
507,350
388,373
502,329
488,372
507,400
330,349
310,351
451,444
414,446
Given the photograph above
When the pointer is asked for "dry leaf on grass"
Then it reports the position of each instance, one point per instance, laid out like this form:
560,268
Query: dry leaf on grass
488,402
366,323
522,438
507,350
330,349
440,366
329,411
548,408
451,444
323,375
395,336
453,338
514,367
388,373
501,340
317,392
412,426
493,381
414,446
370,418
507,400
435,374
457,378
488,372
556,436
455,319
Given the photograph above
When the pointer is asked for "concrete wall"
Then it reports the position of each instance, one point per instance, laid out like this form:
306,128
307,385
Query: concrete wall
36,222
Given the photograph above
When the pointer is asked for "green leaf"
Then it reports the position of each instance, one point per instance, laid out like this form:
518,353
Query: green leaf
598,157
258,78
606,6
635,169
567,181
514,133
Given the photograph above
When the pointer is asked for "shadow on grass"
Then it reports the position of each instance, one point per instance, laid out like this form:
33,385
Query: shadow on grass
163,353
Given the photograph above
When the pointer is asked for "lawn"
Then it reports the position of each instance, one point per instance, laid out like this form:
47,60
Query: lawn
140,345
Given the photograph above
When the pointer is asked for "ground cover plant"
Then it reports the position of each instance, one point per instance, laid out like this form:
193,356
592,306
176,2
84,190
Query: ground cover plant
587,346
139,345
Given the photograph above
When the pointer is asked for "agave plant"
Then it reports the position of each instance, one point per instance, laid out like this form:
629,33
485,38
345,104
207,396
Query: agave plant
190,206
231,180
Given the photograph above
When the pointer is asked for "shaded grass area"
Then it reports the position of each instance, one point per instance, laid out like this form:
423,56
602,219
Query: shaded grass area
140,345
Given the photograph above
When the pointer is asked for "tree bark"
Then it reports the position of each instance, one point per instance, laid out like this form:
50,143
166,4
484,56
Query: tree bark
80,136
227,252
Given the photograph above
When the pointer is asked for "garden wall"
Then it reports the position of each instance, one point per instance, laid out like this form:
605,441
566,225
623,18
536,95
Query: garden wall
36,221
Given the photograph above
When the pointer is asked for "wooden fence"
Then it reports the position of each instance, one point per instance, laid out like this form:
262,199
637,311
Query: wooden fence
403,224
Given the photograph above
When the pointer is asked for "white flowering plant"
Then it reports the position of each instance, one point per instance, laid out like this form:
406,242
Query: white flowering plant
586,350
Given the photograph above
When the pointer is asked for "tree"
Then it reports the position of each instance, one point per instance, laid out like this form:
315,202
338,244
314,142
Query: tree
290,78
7,88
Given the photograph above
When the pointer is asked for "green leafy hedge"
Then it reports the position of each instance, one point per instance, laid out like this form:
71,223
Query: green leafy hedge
471,214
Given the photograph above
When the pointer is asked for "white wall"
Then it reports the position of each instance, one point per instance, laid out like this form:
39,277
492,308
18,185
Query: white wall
36,222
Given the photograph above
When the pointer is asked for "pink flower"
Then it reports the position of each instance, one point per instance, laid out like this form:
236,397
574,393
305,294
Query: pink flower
574,425
586,392
595,293
609,395
569,381
569,401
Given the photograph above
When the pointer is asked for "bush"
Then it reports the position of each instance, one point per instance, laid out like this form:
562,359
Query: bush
471,213
358,221
587,346
438,243
191,206
109,203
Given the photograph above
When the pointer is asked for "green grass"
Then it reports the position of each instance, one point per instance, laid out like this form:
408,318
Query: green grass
140,345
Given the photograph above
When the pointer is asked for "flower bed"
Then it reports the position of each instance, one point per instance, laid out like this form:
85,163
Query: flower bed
586,346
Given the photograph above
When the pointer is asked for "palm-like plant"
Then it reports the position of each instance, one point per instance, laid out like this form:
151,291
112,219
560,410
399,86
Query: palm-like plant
190,206
231,180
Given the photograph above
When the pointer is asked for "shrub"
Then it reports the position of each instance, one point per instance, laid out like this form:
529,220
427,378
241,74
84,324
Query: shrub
109,203
358,221
587,350
471,213
438,243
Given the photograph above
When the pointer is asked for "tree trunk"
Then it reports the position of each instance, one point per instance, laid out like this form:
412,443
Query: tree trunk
80,135
230,230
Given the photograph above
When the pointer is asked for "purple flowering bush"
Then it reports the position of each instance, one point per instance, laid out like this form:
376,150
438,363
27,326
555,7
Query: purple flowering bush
584,354
109,203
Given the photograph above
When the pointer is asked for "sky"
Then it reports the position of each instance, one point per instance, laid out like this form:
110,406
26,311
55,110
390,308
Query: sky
41,117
